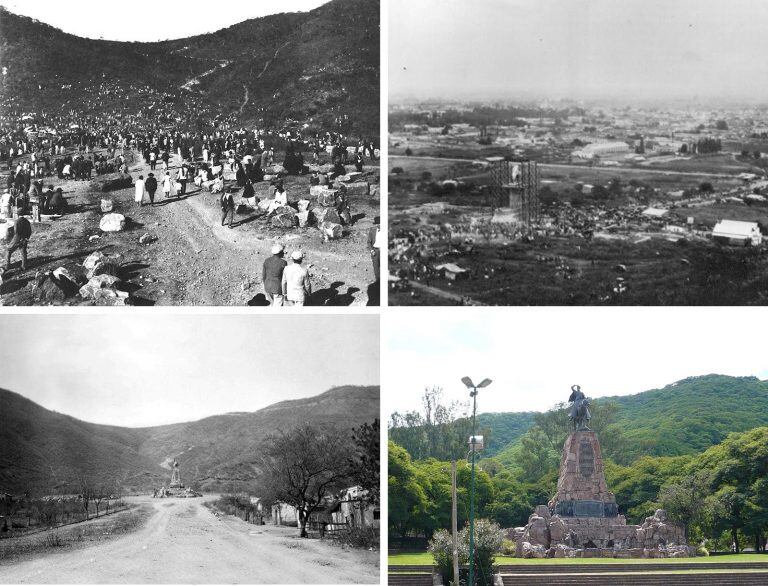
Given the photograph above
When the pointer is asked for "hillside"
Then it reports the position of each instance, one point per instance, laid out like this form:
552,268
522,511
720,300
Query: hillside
504,429
281,70
44,451
690,415
685,417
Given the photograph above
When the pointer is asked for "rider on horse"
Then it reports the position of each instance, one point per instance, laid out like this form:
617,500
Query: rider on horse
578,414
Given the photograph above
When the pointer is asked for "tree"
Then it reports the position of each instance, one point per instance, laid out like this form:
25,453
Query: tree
706,187
721,125
86,493
405,496
364,465
728,507
303,467
685,500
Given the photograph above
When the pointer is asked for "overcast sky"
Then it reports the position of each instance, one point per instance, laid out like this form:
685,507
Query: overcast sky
150,20
135,369
578,48
534,355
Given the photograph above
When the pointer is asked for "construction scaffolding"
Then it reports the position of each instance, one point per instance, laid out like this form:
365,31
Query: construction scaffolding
515,187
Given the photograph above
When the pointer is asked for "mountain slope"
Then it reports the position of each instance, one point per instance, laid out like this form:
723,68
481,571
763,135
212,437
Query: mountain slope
44,451
314,68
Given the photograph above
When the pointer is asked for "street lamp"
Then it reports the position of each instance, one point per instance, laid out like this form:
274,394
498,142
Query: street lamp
473,448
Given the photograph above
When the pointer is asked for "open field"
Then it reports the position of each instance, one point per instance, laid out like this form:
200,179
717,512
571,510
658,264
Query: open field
184,542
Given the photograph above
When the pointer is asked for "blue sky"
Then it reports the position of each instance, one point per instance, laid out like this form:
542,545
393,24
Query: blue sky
137,369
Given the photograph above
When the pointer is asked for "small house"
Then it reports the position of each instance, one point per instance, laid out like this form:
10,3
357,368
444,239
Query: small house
737,233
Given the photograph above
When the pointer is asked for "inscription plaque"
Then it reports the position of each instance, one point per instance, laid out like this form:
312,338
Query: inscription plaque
586,459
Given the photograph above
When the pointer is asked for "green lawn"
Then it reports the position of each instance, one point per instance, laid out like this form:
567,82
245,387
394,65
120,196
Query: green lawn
425,559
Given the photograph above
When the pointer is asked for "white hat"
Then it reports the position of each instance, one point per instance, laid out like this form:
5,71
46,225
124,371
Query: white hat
297,255
278,248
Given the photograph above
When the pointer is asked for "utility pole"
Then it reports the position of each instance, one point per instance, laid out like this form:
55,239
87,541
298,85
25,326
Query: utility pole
454,528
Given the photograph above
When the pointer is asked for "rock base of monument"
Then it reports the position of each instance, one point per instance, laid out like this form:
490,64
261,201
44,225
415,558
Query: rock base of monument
553,536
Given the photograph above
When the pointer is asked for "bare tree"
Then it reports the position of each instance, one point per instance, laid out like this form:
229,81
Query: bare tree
99,493
86,493
303,467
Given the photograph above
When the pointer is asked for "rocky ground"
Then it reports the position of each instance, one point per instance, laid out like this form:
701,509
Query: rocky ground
184,543
190,259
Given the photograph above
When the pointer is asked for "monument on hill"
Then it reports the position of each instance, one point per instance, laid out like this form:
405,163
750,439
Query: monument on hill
582,519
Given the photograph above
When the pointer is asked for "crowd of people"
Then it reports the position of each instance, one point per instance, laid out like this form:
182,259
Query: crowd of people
55,147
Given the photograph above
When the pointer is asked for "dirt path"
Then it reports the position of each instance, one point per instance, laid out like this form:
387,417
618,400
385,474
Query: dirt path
269,61
184,543
245,100
196,80
193,260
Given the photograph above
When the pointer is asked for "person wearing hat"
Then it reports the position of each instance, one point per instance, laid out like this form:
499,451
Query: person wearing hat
296,285
151,186
374,245
272,275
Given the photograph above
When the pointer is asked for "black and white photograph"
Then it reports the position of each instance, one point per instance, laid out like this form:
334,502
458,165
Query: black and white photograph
578,152
186,153
194,449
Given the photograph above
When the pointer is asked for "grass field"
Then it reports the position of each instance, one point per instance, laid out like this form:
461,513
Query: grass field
425,559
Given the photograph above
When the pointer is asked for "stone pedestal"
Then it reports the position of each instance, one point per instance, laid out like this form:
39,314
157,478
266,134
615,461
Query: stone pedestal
581,487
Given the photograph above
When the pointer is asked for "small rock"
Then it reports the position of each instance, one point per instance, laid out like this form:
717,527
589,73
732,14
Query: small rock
107,205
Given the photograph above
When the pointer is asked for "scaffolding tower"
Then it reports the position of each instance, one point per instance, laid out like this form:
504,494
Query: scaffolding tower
515,185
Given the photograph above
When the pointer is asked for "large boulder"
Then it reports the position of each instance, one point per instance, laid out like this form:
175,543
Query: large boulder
358,188
328,198
98,263
284,217
530,550
332,231
112,223
537,531
102,290
557,530
323,215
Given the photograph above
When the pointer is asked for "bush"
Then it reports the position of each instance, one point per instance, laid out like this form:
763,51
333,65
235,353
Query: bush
363,537
488,542
702,551
408,152
397,170
441,548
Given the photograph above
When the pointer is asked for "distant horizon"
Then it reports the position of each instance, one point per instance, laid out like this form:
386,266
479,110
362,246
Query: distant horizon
691,49
165,17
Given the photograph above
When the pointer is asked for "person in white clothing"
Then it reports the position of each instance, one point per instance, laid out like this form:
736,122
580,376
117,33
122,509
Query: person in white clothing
296,285
280,199
167,185
139,195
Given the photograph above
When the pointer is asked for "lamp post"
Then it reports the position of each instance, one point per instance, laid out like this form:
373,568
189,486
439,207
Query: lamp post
472,441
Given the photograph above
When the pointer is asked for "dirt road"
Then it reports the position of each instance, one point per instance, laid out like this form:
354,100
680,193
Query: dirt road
184,543
192,259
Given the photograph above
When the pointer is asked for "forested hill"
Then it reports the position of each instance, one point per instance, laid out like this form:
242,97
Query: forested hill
684,417
690,415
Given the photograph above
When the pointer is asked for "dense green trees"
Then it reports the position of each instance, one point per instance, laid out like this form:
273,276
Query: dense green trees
666,448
